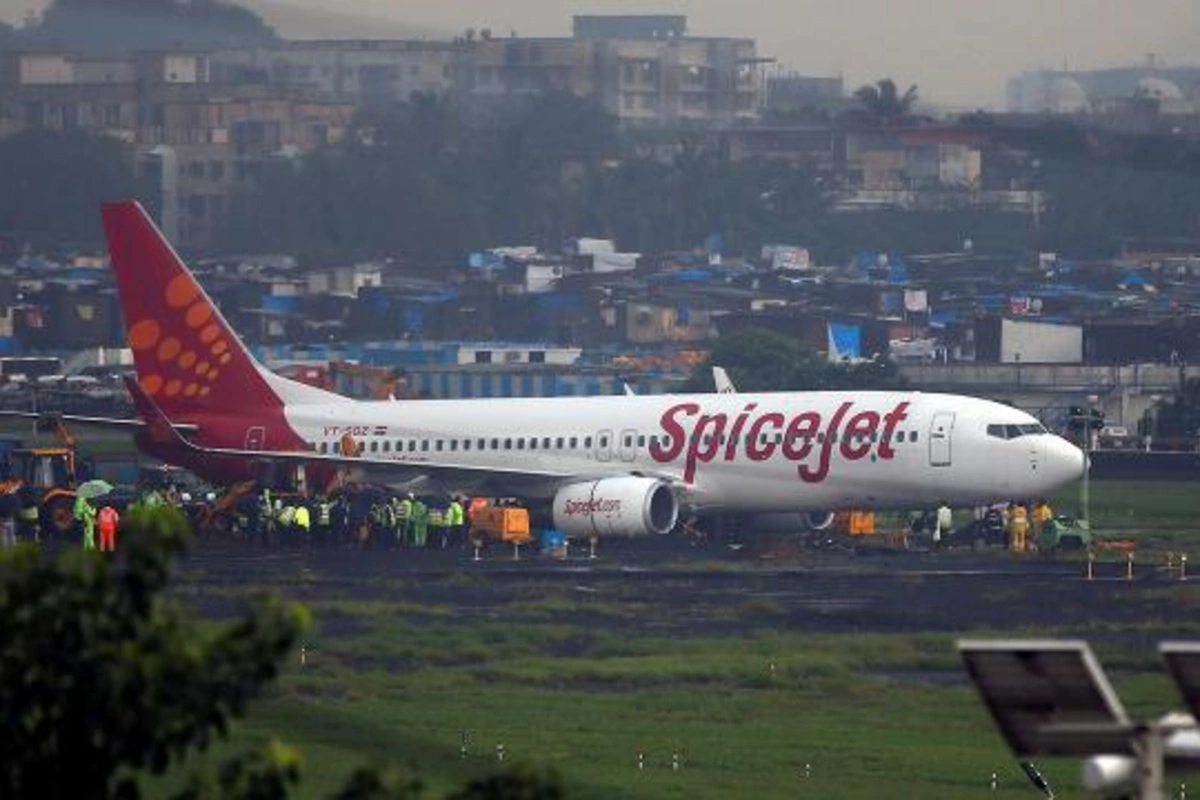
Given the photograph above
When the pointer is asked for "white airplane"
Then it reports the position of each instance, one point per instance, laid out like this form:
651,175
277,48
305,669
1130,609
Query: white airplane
622,465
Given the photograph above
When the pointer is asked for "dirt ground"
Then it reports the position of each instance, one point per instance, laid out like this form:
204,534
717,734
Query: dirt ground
692,590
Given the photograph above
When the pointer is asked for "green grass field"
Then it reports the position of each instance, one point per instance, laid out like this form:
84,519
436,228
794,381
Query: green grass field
584,684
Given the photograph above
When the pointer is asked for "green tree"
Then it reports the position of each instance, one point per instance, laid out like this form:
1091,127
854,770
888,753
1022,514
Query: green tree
1179,418
105,679
763,361
119,26
55,180
102,676
884,104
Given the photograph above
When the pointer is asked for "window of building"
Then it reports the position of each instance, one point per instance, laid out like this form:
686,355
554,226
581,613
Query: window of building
537,356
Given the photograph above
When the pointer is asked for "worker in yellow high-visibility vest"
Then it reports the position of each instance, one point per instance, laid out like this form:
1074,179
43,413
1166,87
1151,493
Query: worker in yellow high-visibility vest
1018,526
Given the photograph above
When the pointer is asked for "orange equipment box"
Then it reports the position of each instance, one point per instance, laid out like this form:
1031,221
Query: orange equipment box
506,523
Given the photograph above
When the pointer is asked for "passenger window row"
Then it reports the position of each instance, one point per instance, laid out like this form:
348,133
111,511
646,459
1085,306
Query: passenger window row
573,442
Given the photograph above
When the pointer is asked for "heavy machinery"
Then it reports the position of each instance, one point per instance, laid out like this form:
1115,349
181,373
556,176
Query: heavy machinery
50,472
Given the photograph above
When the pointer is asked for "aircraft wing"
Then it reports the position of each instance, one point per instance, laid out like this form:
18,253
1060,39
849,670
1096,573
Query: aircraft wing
164,432
119,423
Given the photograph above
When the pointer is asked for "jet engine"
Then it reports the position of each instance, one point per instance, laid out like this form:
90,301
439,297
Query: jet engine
628,506
818,520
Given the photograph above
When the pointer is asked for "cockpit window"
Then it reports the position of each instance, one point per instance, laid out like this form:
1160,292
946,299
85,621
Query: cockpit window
1015,431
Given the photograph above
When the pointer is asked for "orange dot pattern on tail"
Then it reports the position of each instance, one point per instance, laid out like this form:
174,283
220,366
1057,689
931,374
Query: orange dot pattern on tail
188,357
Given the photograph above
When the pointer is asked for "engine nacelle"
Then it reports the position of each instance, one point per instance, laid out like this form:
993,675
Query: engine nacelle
616,507
819,520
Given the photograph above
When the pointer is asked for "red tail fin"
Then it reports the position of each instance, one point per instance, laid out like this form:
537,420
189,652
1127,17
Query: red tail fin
188,358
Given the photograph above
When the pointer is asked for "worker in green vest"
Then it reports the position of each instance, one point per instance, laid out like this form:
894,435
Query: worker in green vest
456,521
85,514
29,517
420,523
401,513
324,519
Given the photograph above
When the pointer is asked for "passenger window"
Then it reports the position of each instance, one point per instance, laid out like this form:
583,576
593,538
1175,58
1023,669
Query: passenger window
629,441
587,442
466,444
387,446
559,443
438,445
546,443
481,444
912,437
533,443
520,444
641,441
495,444
508,444
454,444
424,445
374,446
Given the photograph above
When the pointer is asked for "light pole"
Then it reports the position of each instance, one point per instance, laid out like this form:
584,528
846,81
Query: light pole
1085,496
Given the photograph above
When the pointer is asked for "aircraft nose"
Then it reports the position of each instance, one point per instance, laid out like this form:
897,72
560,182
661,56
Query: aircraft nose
1065,461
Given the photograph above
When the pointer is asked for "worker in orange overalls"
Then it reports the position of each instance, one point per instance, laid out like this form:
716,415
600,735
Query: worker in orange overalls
107,521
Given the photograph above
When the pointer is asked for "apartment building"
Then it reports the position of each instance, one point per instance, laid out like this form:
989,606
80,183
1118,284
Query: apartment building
192,137
645,70
363,72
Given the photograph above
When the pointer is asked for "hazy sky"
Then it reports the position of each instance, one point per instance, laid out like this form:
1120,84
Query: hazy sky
958,51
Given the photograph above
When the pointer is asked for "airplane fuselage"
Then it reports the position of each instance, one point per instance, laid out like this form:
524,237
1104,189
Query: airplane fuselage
754,452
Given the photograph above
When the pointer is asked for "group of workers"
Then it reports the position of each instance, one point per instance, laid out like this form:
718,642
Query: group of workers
1015,523
367,520
92,520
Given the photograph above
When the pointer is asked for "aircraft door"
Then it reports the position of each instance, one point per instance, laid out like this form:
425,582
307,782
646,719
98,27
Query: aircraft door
940,431
256,437
603,449
628,444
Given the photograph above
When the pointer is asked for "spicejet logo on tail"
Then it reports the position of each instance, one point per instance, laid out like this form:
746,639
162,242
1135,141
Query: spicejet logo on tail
703,440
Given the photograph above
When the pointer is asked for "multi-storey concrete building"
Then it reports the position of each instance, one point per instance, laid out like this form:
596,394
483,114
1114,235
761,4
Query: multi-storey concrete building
644,70
363,72
194,138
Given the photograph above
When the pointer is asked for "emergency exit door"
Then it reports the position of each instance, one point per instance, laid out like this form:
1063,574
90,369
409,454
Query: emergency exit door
940,431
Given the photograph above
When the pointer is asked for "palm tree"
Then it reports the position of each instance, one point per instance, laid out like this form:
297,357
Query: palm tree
884,104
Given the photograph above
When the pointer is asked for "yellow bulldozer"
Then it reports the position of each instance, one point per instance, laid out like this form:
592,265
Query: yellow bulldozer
50,472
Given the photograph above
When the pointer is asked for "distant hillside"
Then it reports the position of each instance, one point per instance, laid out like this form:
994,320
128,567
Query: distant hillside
120,26
298,20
